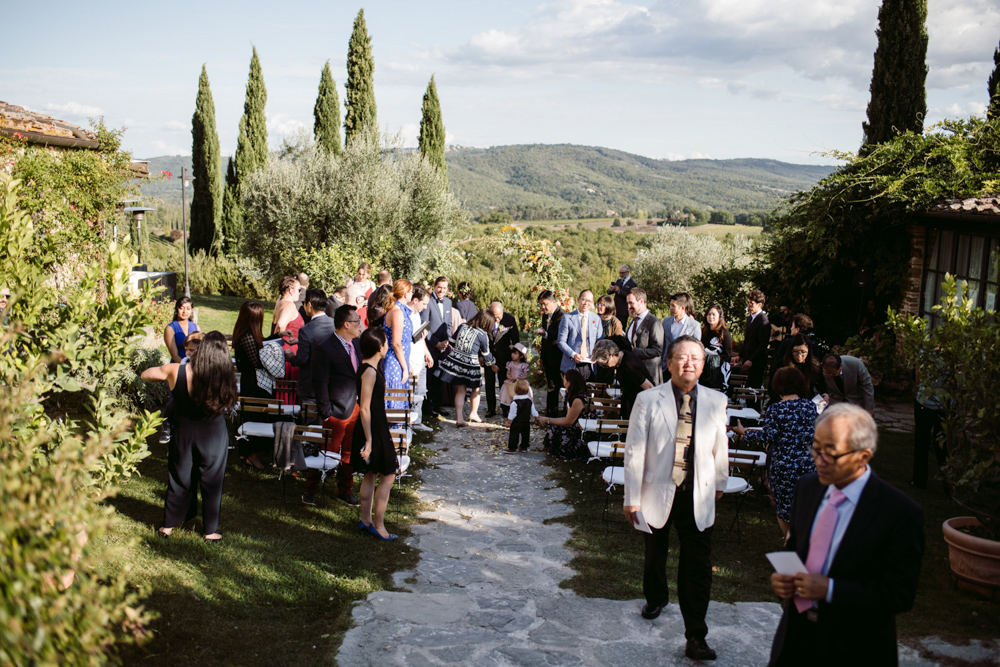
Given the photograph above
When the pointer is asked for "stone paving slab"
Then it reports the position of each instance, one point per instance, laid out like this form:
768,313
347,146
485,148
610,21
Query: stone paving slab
486,589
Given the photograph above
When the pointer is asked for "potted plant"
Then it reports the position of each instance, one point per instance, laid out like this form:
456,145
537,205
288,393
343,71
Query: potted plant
958,362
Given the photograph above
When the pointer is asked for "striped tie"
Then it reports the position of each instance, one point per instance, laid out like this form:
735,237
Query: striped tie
685,427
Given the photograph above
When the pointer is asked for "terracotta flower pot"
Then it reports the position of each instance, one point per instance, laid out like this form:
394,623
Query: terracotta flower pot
974,562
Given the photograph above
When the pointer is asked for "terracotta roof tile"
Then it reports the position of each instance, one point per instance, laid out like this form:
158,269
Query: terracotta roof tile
989,205
39,128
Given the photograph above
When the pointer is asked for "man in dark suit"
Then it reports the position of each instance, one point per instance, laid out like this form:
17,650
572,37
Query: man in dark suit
438,313
551,355
847,380
621,288
861,541
334,379
645,334
753,354
313,333
676,468
502,336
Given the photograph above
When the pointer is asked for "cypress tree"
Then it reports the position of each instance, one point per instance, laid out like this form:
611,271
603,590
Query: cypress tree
232,212
360,102
431,140
993,111
898,92
251,151
206,205
326,129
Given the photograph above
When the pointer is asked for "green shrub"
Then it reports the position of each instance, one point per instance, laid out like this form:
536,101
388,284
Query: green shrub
378,202
330,266
65,444
958,362
225,275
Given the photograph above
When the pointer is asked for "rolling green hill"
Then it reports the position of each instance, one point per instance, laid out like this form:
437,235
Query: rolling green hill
591,180
564,180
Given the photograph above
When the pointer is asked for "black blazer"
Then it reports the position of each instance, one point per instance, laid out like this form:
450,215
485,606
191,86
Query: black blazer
314,332
550,352
758,335
625,288
648,344
875,572
501,346
334,379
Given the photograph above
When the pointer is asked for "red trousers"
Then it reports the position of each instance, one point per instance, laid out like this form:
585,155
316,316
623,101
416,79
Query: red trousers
340,443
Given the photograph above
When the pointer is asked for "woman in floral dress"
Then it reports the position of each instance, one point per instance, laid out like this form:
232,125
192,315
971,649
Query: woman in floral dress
787,438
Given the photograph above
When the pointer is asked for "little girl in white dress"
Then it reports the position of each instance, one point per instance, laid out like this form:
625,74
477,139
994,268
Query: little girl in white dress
517,369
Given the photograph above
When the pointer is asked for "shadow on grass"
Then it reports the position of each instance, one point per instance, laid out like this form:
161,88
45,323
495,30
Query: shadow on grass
609,564
278,589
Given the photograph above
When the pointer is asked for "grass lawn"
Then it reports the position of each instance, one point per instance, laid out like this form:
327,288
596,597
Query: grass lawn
721,231
280,586
610,565
218,313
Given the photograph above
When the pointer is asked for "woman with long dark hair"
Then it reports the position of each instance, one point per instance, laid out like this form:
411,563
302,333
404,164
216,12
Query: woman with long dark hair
204,389
564,437
462,365
179,329
258,365
718,344
800,354
372,451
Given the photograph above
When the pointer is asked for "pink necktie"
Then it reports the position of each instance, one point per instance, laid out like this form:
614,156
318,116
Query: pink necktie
354,359
819,542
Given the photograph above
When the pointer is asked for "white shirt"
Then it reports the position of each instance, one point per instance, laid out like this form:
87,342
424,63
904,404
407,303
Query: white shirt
635,325
512,412
844,514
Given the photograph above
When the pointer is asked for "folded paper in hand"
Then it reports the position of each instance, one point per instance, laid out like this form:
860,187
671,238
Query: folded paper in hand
640,523
786,562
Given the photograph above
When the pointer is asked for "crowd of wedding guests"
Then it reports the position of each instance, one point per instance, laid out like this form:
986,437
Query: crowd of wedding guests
356,350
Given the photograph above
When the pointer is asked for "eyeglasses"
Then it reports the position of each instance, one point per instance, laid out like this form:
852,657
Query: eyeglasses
357,321
829,458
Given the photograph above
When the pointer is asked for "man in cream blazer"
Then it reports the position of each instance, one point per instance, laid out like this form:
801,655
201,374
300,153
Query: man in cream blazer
650,486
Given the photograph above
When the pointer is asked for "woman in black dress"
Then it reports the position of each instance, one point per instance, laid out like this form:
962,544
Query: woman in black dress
372,450
204,389
461,367
630,372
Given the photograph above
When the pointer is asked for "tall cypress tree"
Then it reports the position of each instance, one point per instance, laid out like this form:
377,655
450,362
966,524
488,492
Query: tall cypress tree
360,100
232,211
994,87
431,139
206,205
251,151
326,129
898,92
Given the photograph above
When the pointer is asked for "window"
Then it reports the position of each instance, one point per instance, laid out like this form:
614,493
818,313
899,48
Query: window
969,257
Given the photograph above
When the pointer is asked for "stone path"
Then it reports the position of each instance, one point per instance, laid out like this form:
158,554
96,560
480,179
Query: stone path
486,589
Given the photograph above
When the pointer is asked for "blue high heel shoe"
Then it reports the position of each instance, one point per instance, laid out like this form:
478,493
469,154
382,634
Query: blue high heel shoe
364,528
374,531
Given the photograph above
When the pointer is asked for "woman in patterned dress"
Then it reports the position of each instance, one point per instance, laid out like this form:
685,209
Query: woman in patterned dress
564,437
399,333
462,365
787,438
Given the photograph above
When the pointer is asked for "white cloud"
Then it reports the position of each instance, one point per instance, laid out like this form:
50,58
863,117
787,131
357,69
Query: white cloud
959,110
410,132
167,148
175,126
842,102
74,110
282,124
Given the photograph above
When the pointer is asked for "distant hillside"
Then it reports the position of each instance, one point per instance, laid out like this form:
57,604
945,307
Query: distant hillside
592,179
587,180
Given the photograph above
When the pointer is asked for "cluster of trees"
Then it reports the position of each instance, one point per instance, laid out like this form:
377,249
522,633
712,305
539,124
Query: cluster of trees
220,219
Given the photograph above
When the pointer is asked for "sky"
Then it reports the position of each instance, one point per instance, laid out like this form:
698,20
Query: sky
677,79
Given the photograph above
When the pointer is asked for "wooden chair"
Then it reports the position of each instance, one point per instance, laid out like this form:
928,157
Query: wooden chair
286,391
324,461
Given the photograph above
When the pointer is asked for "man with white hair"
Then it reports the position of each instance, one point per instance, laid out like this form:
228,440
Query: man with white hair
861,541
